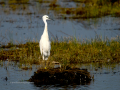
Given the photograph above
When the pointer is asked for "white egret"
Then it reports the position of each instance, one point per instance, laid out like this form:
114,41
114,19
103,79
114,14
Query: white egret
44,42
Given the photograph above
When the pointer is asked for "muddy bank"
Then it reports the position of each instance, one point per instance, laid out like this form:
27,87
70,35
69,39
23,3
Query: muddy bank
68,76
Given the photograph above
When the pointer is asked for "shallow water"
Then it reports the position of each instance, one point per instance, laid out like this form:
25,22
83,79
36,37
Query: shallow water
23,29
106,77
25,23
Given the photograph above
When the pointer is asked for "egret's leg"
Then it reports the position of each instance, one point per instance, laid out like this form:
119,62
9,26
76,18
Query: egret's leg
48,53
45,61
43,57
45,64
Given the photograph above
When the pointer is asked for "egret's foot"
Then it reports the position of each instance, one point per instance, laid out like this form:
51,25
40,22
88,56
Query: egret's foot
45,68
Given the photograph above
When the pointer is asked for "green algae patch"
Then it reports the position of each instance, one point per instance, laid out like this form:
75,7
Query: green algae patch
68,76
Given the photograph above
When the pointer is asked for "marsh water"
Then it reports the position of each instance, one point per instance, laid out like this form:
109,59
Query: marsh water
20,23
106,77
20,29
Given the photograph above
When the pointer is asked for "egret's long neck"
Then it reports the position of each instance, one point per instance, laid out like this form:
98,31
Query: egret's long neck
46,30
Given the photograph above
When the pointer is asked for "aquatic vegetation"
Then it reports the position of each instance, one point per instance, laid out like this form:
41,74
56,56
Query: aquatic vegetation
70,51
16,4
89,9
82,9
53,4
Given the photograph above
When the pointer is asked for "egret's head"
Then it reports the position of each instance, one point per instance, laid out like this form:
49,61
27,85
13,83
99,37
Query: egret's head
45,17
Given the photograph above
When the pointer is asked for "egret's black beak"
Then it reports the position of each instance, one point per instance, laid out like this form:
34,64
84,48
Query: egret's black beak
50,19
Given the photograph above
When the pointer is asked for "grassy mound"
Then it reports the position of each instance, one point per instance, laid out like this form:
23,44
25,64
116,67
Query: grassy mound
68,51
66,76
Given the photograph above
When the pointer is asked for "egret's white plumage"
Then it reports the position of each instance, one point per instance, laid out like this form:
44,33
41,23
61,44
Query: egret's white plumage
44,41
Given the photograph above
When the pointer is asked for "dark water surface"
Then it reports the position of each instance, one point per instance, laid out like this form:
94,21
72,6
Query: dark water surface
106,77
